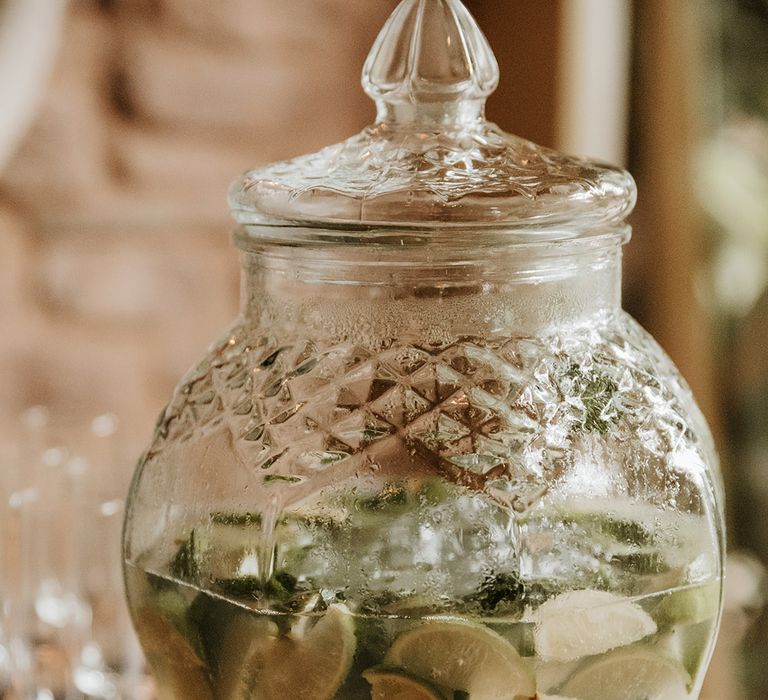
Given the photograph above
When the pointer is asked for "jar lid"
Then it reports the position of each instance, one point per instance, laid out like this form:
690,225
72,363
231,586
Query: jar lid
432,160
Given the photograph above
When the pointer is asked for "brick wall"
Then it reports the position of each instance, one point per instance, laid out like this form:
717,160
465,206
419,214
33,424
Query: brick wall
116,267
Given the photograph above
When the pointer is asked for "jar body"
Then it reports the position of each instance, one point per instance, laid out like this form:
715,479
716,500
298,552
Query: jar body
467,477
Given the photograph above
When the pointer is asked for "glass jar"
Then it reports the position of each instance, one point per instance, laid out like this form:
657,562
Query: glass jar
432,458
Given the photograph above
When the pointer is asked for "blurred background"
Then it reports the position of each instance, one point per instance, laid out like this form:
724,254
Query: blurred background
122,123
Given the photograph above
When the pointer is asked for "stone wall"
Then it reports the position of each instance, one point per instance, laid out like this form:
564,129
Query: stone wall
116,267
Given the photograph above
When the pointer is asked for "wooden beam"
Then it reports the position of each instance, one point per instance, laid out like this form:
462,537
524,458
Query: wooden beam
525,36
668,230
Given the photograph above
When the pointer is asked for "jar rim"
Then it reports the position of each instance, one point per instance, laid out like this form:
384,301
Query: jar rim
475,242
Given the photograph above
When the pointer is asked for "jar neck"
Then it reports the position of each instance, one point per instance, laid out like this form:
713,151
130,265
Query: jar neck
374,296
454,114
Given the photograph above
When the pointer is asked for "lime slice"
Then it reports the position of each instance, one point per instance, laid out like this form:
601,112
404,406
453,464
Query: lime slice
691,605
178,669
690,645
228,633
311,666
463,656
387,684
552,674
629,674
584,623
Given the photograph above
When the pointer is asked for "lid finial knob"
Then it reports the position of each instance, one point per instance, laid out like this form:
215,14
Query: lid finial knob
430,60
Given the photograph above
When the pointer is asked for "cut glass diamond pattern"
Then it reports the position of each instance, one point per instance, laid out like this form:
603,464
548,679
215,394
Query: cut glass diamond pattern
504,416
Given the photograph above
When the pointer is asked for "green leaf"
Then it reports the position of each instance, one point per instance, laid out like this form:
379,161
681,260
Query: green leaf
392,495
596,390
185,564
276,478
236,519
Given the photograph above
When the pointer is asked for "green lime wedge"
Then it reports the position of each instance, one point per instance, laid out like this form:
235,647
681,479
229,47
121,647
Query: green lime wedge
309,665
690,645
178,669
629,674
584,623
463,656
229,633
691,605
388,684
552,674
